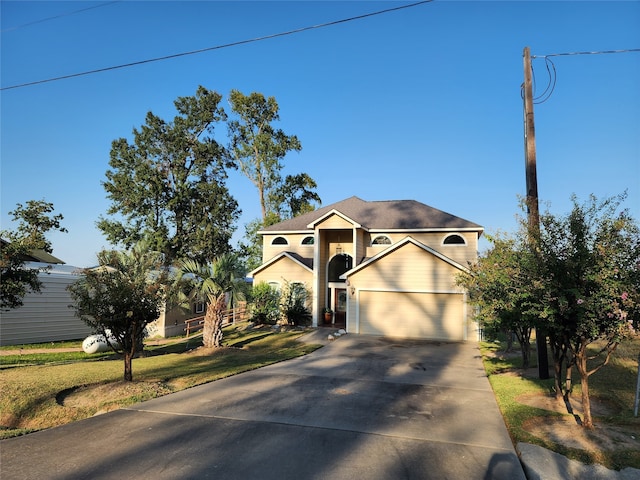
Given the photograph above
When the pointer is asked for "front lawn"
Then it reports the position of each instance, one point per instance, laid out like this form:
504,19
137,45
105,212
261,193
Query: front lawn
58,388
532,415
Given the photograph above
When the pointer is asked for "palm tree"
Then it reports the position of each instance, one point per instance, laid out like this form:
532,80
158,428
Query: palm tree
220,284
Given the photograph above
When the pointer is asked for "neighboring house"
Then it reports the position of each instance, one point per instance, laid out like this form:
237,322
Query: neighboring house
45,316
385,267
172,318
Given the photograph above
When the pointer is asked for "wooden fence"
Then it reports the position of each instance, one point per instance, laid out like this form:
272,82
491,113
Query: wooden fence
231,316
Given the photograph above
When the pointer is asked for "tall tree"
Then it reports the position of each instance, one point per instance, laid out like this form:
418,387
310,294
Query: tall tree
256,145
35,220
501,285
218,283
580,277
121,296
168,186
294,196
590,266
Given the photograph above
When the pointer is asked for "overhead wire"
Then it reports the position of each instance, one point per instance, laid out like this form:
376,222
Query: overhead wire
600,52
217,47
552,74
551,84
54,17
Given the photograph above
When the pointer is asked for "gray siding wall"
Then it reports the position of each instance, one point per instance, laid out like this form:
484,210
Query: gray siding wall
46,316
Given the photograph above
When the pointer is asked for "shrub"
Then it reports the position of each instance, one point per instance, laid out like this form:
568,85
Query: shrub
293,304
264,305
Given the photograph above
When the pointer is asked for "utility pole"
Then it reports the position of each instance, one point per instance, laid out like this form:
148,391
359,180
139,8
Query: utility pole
533,213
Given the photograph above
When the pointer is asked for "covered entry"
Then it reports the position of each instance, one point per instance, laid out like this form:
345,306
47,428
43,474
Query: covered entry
412,315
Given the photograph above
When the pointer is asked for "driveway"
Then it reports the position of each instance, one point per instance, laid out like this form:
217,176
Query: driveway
358,408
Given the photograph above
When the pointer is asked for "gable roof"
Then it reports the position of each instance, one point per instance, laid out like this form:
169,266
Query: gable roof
399,245
302,261
35,255
385,215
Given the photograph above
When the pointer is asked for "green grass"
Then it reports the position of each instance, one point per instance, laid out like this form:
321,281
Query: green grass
31,394
47,345
614,384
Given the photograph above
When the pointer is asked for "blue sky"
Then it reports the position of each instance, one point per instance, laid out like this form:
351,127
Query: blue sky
421,103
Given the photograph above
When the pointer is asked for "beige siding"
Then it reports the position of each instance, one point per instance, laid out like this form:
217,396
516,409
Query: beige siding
412,315
461,254
44,317
284,269
294,245
333,222
171,323
362,241
408,268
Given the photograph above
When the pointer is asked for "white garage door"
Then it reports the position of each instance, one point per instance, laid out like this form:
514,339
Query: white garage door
412,315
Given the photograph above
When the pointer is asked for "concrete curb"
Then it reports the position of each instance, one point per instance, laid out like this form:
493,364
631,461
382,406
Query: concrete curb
542,464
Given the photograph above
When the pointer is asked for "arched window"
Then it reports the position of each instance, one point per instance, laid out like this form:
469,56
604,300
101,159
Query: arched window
381,240
338,265
454,240
308,241
279,241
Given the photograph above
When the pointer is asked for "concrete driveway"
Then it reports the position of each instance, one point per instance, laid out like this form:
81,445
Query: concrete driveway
360,407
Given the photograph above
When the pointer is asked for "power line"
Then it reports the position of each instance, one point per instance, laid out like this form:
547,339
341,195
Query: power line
551,69
64,14
217,47
601,52
551,84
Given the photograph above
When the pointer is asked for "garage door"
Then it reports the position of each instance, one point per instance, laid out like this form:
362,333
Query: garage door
412,315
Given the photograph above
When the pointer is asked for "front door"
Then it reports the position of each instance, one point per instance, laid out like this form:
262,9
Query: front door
340,307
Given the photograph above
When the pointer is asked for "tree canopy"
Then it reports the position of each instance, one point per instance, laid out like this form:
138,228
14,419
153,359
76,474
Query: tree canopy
501,285
589,265
259,148
578,277
121,296
35,220
256,145
168,185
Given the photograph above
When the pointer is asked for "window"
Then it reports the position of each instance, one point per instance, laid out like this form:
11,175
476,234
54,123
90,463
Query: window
198,307
279,241
381,240
308,241
338,265
454,240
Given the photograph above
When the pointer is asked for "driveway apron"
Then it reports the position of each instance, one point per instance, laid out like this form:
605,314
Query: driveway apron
360,407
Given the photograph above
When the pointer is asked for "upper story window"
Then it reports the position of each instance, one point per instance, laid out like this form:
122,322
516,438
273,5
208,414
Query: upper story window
381,240
279,241
308,241
454,240
337,266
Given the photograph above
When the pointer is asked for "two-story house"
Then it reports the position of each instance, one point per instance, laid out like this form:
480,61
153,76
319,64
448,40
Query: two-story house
383,267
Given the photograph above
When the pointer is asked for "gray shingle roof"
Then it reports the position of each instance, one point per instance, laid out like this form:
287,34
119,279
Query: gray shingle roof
381,215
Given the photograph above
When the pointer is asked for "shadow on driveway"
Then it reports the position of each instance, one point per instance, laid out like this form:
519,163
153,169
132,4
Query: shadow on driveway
363,407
